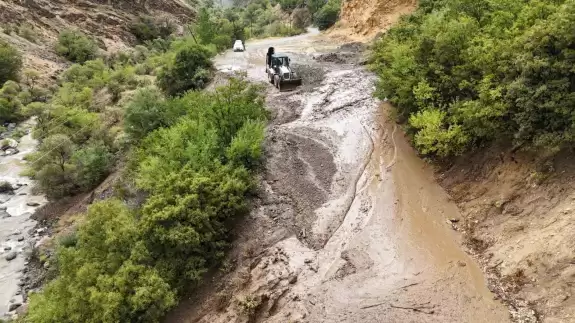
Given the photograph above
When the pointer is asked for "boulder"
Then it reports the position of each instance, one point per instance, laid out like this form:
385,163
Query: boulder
11,151
8,143
10,256
14,306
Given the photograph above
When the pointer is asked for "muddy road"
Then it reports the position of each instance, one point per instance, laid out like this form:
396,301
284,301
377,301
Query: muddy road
350,225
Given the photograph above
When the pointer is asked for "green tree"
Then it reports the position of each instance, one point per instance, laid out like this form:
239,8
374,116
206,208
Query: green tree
92,163
205,27
190,69
465,73
185,217
147,28
10,62
10,103
51,165
104,277
327,15
76,46
315,5
149,111
130,265
245,148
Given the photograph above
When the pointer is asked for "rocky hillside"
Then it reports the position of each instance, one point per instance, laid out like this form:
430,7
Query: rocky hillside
366,18
33,25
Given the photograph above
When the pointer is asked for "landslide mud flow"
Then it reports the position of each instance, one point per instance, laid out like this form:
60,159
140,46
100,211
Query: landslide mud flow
351,226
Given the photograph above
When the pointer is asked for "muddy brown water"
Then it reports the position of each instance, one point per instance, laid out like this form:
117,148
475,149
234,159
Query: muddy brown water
352,227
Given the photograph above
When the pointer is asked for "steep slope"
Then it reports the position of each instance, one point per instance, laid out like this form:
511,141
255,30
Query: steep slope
106,21
519,217
366,18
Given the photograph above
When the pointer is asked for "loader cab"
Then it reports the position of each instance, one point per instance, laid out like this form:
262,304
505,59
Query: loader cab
278,60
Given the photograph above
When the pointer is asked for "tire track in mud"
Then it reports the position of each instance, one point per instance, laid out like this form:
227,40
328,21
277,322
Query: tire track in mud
354,194
392,162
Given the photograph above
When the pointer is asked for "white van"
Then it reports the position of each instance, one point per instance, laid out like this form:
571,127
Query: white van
238,46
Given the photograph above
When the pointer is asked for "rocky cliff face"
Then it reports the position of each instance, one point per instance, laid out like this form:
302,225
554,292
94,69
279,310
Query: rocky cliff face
369,17
106,20
101,18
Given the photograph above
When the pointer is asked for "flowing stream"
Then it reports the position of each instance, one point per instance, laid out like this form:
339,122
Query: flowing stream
16,209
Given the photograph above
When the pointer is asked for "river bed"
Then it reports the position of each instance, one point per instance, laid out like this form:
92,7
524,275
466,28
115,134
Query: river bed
17,236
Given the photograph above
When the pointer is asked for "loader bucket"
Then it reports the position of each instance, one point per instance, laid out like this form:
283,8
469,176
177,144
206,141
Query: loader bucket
289,85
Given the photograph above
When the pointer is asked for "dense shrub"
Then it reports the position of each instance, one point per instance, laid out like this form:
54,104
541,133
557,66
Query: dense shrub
328,14
147,28
129,266
281,29
92,163
148,111
189,70
10,103
245,148
84,111
464,73
255,18
10,62
76,46
104,276
213,120
184,219
52,167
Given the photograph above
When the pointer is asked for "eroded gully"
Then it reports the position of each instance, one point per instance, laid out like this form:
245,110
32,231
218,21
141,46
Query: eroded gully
351,226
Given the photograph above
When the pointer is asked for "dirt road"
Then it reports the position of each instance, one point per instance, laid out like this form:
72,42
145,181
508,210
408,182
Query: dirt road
350,225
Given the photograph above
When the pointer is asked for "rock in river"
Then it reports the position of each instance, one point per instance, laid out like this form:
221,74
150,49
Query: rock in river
14,306
10,256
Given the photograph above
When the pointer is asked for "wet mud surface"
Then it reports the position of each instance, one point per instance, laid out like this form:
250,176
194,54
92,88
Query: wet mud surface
349,225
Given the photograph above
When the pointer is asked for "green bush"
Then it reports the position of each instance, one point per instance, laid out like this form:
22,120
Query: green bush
76,46
246,147
222,42
6,188
92,163
105,277
278,28
122,79
146,112
129,266
184,219
147,28
10,103
93,74
69,240
189,70
487,70
10,62
328,14
51,165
